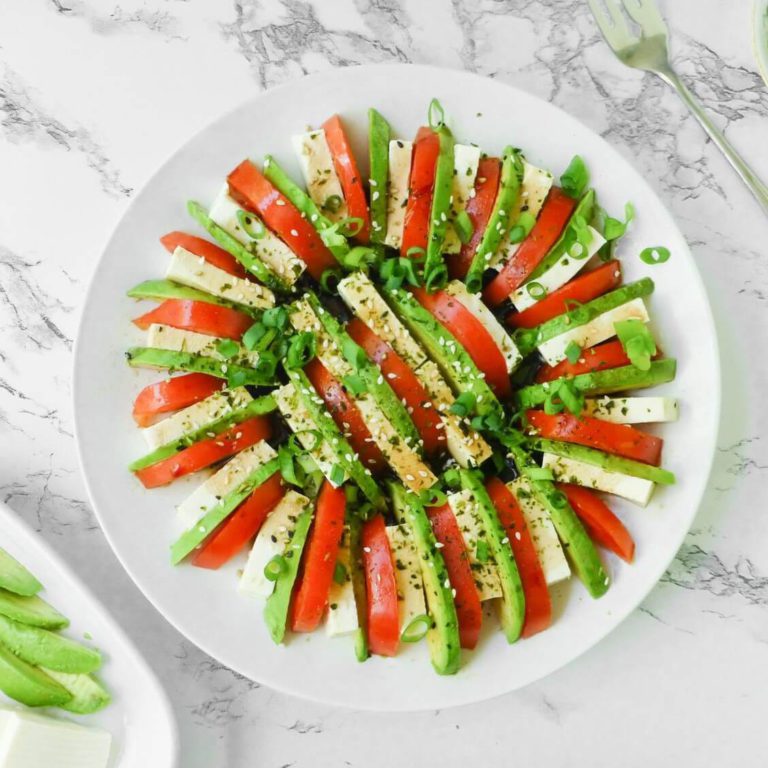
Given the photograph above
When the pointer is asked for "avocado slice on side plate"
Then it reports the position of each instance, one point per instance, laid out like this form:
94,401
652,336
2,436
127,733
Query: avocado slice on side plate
31,610
15,577
29,685
86,692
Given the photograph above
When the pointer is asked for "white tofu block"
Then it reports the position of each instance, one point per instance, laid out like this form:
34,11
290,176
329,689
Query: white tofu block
632,410
316,161
410,585
175,340
397,190
341,618
466,158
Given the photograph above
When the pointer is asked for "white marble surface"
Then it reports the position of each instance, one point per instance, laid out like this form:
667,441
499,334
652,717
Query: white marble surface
94,94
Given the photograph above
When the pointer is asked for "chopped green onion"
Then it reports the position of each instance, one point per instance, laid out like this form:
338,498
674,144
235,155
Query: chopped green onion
452,477
437,278
266,365
416,629
481,551
656,254
573,352
236,378
572,399
464,227
575,178
464,404
227,348
522,228
275,568
416,253
435,115
301,350
333,203
252,336
537,473
351,226
297,447
285,456
576,311
275,317
251,225
613,229
355,384
432,497
637,341
329,280
536,290
558,499
353,353
340,573
338,475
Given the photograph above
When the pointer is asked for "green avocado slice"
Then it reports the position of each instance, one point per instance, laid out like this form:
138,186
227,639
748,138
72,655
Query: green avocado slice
378,148
160,290
88,695
31,610
15,577
29,685
357,575
443,637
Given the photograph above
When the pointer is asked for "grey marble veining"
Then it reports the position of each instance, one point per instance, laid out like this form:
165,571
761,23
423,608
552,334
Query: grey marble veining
70,70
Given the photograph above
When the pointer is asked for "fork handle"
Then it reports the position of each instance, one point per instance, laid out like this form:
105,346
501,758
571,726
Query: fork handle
748,176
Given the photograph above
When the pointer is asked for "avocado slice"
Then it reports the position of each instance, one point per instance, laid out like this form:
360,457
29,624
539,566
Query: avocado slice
31,610
501,217
452,359
325,424
15,577
378,148
88,695
29,685
603,382
605,460
443,637
195,536
252,263
152,357
527,339
41,647
442,190
160,290
375,383
278,603
357,575
513,596
256,407
578,547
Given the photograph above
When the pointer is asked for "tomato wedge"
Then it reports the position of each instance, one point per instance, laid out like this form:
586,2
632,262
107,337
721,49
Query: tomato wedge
310,596
346,415
479,208
381,588
454,552
426,149
214,255
172,395
608,355
601,524
554,215
249,187
584,288
405,384
349,175
198,316
200,455
472,335
538,606
241,526
619,439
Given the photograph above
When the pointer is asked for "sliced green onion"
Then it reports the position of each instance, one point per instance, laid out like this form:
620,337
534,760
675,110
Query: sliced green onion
522,227
464,227
285,456
338,475
301,350
656,254
416,629
432,497
536,290
558,499
435,115
613,229
251,225
416,253
355,384
452,478
437,278
236,378
482,555
573,352
266,365
296,444
353,353
333,203
572,399
329,280
227,348
537,473
350,226
637,341
252,336
340,573
275,568
464,404
575,178
275,317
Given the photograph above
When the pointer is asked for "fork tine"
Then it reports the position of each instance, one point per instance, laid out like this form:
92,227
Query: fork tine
612,23
646,14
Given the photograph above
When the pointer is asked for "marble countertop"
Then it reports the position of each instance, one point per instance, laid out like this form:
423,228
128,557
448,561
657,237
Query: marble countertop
94,95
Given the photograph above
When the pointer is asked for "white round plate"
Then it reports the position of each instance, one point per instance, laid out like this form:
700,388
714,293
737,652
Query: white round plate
205,606
139,717
760,31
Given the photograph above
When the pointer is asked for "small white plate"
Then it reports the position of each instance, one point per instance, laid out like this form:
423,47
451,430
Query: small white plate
204,605
139,717
760,30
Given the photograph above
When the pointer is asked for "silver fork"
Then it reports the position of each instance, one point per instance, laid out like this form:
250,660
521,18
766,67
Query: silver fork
648,51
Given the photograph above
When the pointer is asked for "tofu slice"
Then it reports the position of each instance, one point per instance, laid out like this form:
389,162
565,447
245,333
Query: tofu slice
270,248
192,418
299,420
566,470
196,272
316,161
397,190
632,410
542,530
361,296
224,481
273,539
476,306
563,270
533,192
593,332
341,618
410,585
468,518
466,158
173,339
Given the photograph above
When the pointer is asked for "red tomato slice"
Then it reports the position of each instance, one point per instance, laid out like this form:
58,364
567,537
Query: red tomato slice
479,209
214,255
454,552
346,169
601,524
172,395
472,335
249,187
311,594
538,606
381,587
608,355
555,212
346,415
241,526
198,316
200,455
584,288
405,384
619,439
426,149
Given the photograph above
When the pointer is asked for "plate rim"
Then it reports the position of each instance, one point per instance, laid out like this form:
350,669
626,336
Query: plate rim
715,412
760,36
